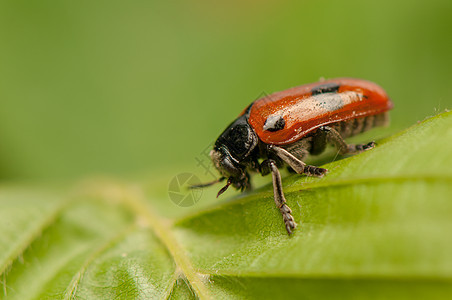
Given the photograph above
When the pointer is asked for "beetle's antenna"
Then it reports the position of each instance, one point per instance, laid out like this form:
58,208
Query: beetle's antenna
201,185
223,189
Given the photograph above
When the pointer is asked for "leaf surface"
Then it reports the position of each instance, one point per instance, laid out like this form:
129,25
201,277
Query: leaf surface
377,226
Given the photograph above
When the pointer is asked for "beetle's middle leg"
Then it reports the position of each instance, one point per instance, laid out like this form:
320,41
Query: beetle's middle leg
268,166
296,164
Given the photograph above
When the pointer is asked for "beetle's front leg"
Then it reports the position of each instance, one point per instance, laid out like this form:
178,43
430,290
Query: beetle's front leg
267,166
296,164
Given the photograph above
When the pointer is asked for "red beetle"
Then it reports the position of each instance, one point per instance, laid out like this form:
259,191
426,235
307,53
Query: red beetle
284,127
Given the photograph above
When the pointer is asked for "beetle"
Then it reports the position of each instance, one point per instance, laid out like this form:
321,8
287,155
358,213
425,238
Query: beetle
285,127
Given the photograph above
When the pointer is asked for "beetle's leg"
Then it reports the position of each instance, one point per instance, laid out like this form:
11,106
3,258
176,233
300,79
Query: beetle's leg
335,137
264,167
280,200
296,164
245,183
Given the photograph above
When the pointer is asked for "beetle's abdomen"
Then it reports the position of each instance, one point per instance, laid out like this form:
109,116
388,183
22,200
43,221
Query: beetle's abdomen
359,125
315,142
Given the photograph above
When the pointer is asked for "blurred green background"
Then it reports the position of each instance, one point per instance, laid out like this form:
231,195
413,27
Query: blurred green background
130,87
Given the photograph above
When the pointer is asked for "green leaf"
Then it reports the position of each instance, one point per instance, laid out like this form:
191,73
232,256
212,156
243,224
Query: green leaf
377,226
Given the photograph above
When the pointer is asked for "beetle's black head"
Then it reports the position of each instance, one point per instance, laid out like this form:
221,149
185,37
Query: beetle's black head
232,151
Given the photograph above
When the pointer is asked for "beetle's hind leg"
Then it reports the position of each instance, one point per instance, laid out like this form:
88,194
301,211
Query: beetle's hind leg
334,137
296,164
268,166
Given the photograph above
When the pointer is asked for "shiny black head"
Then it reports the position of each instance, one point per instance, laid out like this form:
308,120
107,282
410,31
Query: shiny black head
232,151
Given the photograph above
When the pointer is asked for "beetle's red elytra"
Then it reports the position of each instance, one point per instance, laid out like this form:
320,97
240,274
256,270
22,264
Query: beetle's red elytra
285,127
